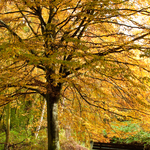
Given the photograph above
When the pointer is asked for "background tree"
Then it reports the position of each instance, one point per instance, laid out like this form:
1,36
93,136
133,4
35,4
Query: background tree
51,47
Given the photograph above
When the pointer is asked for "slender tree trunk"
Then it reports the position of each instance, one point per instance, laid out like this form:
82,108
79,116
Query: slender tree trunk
53,129
8,127
41,119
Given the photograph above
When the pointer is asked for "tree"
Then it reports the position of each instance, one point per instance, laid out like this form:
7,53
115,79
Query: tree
48,47
8,126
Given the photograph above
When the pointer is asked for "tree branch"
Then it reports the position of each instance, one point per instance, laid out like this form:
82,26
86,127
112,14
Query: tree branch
2,24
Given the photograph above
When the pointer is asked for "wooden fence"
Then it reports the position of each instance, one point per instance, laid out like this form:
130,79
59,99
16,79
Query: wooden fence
113,146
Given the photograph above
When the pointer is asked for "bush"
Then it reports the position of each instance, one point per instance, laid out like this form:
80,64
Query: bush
131,133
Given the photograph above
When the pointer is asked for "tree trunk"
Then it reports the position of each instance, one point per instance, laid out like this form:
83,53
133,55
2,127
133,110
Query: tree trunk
41,119
8,127
52,119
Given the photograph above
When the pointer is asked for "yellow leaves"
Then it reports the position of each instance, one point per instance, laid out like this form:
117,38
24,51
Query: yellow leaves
143,3
146,125
1,5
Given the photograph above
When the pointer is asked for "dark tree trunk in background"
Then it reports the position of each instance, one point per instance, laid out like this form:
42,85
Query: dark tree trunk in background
8,127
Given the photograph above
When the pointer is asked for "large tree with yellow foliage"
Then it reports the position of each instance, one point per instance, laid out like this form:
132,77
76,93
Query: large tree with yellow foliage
75,48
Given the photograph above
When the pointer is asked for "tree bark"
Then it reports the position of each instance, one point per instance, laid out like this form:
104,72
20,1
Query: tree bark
52,120
8,127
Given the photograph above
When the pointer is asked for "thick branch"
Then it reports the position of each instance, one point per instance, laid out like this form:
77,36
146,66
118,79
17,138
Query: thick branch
2,24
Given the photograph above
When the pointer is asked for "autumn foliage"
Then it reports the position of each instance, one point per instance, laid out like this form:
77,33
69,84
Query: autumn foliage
88,59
